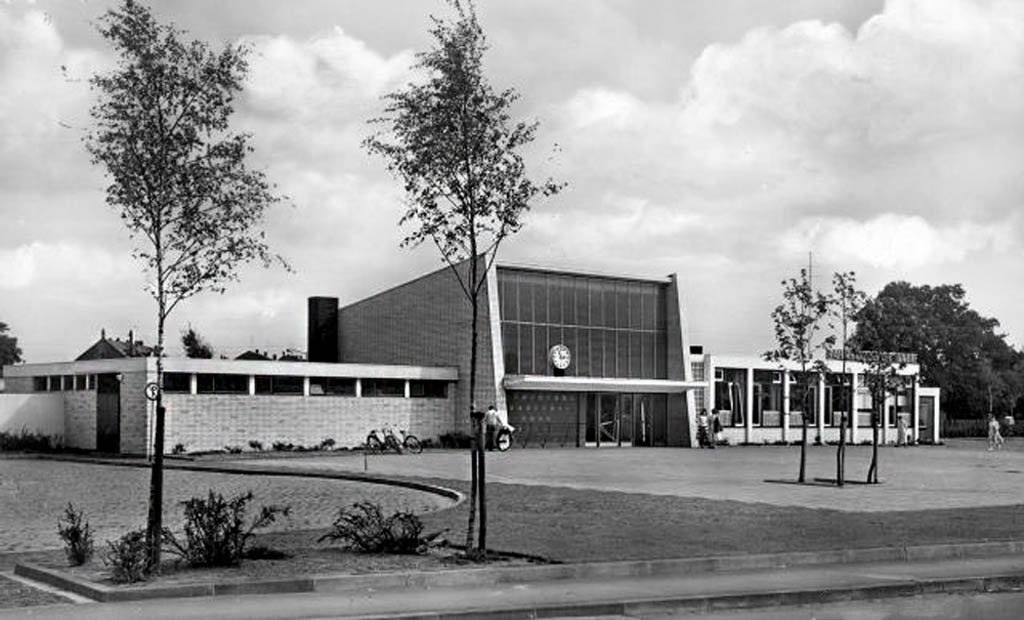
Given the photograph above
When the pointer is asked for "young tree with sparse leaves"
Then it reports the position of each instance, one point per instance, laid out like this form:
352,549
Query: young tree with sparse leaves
179,176
883,378
847,300
798,320
452,142
194,345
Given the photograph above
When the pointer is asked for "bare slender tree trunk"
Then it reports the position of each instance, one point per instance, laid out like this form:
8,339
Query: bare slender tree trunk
475,447
156,485
482,493
803,442
873,470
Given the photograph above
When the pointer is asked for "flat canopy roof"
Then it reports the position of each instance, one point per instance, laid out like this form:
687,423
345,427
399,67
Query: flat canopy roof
590,384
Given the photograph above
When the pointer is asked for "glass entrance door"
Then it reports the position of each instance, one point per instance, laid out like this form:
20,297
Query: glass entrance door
610,419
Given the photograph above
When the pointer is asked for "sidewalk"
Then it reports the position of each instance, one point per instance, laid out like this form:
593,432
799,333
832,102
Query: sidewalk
635,596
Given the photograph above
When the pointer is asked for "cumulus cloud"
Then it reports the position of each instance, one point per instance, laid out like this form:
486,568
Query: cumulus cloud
893,241
917,113
66,263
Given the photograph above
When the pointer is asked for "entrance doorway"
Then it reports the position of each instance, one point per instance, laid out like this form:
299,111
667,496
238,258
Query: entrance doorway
625,420
108,413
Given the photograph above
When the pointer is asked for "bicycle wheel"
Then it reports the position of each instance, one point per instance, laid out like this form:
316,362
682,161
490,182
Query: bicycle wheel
503,441
392,444
373,444
412,444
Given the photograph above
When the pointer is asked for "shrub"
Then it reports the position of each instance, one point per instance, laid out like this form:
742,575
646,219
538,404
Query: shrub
233,449
256,445
29,441
216,531
76,533
179,448
281,446
327,444
127,557
364,528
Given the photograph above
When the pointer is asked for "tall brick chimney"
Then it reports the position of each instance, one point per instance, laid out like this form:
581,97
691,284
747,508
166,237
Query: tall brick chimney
322,330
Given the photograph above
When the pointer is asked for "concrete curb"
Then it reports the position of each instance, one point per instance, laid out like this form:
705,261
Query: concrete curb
451,494
528,574
708,604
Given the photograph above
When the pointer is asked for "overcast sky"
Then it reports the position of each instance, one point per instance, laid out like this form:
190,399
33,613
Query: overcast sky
722,140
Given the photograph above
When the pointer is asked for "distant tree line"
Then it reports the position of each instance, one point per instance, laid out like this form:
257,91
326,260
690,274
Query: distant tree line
959,350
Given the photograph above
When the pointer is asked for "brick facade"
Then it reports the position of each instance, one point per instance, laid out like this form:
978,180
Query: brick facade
423,322
215,421
80,419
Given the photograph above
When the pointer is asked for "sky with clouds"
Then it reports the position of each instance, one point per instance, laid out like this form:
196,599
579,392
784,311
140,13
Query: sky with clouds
722,140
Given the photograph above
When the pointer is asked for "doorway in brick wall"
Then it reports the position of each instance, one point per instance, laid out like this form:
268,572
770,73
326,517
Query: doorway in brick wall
108,413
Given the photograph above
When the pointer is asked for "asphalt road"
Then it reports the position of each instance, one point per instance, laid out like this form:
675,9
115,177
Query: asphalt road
1004,606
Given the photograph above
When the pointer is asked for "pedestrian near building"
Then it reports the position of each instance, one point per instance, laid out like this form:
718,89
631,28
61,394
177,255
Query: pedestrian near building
995,438
702,429
491,422
716,430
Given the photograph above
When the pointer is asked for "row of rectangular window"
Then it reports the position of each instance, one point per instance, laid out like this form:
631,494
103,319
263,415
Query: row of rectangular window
179,382
580,300
63,383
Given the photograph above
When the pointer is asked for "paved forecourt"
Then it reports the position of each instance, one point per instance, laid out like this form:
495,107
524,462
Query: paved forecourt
33,494
923,477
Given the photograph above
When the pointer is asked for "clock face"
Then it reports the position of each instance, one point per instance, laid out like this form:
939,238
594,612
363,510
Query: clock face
560,356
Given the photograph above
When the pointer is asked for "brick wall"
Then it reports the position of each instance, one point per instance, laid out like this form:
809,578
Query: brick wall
134,412
425,322
214,421
18,385
80,419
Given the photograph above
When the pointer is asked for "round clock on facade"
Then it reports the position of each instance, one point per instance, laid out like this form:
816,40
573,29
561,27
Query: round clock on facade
560,356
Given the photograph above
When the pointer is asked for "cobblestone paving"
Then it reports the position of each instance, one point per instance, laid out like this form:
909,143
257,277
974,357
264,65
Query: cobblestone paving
961,475
33,494
16,594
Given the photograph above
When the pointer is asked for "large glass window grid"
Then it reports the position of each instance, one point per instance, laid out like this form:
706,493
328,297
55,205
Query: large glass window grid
767,398
731,395
613,328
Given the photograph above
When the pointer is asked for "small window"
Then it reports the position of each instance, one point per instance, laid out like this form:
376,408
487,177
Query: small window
273,384
384,387
719,374
222,384
178,382
332,386
68,382
39,384
428,389
54,383
90,382
81,382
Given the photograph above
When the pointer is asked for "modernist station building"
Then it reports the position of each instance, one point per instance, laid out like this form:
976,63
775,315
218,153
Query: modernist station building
576,359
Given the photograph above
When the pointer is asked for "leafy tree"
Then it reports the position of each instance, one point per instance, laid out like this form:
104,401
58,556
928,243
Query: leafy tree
178,175
798,320
452,142
194,345
847,300
958,349
9,351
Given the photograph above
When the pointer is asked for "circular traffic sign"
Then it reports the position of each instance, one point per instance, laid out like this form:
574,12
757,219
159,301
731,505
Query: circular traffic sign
152,391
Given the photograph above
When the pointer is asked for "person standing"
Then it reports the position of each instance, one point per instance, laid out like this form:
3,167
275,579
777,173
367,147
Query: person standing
901,431
995,438
491,421
702,428
716,430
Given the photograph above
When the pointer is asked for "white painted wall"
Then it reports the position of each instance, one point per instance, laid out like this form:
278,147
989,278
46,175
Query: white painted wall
36,413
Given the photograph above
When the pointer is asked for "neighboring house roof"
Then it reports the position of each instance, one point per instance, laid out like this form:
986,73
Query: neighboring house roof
115,348
253,355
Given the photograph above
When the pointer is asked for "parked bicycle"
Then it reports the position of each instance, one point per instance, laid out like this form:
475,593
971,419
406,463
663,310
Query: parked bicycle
388,438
